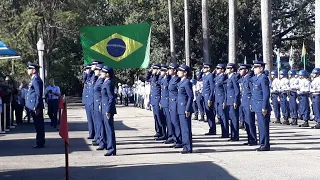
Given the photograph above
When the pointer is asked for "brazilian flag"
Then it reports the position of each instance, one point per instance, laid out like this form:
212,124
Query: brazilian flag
126,46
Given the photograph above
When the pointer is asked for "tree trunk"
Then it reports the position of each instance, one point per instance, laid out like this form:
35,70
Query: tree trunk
205,31
232,31
266,26
317,34
172,35
186,32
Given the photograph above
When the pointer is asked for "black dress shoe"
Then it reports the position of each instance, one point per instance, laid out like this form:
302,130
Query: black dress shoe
110,154
277,121
294,122
224,136
305,124
160,138
178,146
250,144
317,126
232,140
94,141
263,149
95,144
156,135
286,122
185,152
168,141
100,148
89,137
38,146
210,133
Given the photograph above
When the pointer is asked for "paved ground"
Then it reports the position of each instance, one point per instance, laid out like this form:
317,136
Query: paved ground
295,154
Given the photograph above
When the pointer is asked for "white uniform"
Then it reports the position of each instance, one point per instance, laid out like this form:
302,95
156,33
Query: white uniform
275,85
194,89
199,86
315,86
120,90
304,86
284,85
147,95
294,84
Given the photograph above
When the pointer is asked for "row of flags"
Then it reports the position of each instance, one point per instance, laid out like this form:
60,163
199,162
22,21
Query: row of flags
291,59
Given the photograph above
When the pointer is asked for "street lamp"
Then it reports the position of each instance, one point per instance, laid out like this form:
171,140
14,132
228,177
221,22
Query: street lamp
40,48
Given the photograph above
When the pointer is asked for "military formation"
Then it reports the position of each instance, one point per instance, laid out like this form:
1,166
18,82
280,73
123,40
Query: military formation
236,95
293,96
99,98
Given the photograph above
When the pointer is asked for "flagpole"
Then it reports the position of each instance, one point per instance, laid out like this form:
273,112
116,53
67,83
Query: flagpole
63,127
278,63
66,152
291,58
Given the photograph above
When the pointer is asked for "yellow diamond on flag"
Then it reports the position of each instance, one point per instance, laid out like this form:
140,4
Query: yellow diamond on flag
117,47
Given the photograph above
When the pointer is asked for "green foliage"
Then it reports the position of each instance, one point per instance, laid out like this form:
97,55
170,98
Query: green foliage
58,23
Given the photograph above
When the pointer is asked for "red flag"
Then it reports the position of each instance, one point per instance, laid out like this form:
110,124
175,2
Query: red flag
60,103
63,131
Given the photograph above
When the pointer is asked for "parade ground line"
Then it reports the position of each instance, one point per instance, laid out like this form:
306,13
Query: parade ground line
294,154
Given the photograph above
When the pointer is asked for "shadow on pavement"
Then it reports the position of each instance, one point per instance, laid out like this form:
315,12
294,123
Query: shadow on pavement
23,147
183,171
73,126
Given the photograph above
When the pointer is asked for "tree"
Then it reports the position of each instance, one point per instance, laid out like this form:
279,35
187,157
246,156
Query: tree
22,22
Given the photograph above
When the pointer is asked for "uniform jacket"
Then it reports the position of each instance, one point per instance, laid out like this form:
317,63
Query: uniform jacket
232,90
220,88
34,96
90,85
246,90
155,88
165,91
97,94
208,87
185,96
108,100
260,93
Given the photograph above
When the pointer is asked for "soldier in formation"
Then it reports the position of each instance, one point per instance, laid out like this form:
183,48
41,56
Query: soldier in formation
226,92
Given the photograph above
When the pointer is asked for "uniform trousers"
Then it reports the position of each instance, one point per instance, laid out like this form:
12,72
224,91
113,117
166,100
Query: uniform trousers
38,122
186,132
109,133
233,115
90,117
293,105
